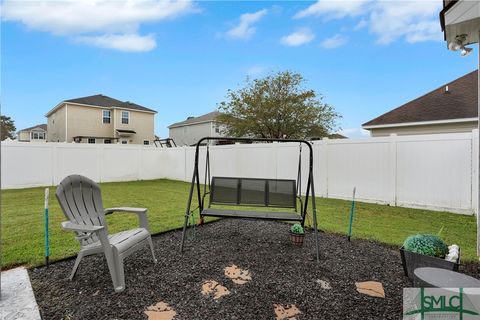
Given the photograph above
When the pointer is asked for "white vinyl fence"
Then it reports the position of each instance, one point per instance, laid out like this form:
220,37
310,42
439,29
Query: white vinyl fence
437,172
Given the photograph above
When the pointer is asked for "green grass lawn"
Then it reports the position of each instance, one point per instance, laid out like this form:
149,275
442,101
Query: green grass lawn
22,220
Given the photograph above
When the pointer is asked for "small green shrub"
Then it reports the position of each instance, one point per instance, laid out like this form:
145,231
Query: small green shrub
297,229
426,244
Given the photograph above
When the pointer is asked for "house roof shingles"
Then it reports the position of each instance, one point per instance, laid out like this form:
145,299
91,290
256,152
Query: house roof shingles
460,102
204,118
105,101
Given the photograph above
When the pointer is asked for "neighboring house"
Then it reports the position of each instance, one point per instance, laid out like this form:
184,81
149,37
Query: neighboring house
191,130
336,136
449,108
36,133
100,119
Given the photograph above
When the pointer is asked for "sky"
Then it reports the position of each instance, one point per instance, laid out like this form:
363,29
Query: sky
179,58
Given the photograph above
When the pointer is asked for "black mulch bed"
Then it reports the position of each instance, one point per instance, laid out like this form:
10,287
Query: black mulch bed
281,274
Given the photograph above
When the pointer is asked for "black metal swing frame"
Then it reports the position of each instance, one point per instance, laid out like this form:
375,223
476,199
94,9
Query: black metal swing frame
234,198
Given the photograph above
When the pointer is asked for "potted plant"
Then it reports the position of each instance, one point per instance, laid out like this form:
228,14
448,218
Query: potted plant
425,250
297,234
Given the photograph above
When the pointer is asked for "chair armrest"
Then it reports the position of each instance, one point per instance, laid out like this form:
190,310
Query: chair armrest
125,209
88,230
141,212
70,226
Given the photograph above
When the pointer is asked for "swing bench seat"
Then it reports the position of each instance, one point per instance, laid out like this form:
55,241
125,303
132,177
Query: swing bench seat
265,215
253,192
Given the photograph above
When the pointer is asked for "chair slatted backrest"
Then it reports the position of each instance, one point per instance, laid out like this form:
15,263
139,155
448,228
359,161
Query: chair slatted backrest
81,202
280,193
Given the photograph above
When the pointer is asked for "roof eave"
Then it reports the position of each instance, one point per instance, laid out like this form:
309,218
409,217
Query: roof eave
123,108
418,123
58,106
188,124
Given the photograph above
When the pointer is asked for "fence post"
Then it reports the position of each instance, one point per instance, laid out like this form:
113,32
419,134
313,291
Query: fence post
393,170
100,162
185,178
325,144
139,161
475,173
54,163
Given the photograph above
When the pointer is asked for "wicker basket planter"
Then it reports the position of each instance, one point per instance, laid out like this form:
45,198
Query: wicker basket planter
297,239
412,261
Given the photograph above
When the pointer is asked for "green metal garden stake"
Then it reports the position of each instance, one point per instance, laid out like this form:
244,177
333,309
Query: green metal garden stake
47,251
352,208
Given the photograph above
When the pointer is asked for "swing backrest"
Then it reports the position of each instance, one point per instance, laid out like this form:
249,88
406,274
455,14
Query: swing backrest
280,193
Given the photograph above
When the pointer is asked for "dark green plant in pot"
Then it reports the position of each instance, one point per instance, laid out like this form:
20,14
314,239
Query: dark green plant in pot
426,244
297,229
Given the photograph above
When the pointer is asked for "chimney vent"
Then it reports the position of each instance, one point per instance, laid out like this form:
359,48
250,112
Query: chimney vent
446,89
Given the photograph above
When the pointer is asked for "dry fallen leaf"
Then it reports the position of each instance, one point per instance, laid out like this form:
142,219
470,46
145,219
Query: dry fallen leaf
286,312
238,276
371,288
210,287
160,311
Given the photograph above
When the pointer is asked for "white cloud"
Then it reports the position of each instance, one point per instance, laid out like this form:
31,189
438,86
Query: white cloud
415,21
354,132
334,42
257,70
335,9
245,29
412,20
360,25
122,42
298,38
84,18
74,16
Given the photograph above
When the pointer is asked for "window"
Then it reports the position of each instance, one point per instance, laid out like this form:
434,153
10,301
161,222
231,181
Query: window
38,135
146,142
106,116
217,129
125,115
124,142
107,141
91,140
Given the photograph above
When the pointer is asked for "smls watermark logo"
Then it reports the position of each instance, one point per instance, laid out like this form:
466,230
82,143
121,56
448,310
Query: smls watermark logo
441,303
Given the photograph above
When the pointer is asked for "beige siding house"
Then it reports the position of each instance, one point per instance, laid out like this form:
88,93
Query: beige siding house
447,109
191,130
101,119
36,133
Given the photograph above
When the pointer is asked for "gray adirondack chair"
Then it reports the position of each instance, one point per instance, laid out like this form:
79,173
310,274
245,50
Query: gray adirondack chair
81,202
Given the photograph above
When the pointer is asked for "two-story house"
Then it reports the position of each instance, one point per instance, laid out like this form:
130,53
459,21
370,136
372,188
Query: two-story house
189,131
100,119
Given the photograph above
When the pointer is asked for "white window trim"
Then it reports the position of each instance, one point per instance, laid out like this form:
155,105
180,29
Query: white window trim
109,116
128,117
38,133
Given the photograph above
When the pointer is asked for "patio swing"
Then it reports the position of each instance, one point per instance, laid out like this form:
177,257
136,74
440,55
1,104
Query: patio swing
251,192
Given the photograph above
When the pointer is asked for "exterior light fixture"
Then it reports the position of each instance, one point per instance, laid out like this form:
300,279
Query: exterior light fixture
458,45
466,51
